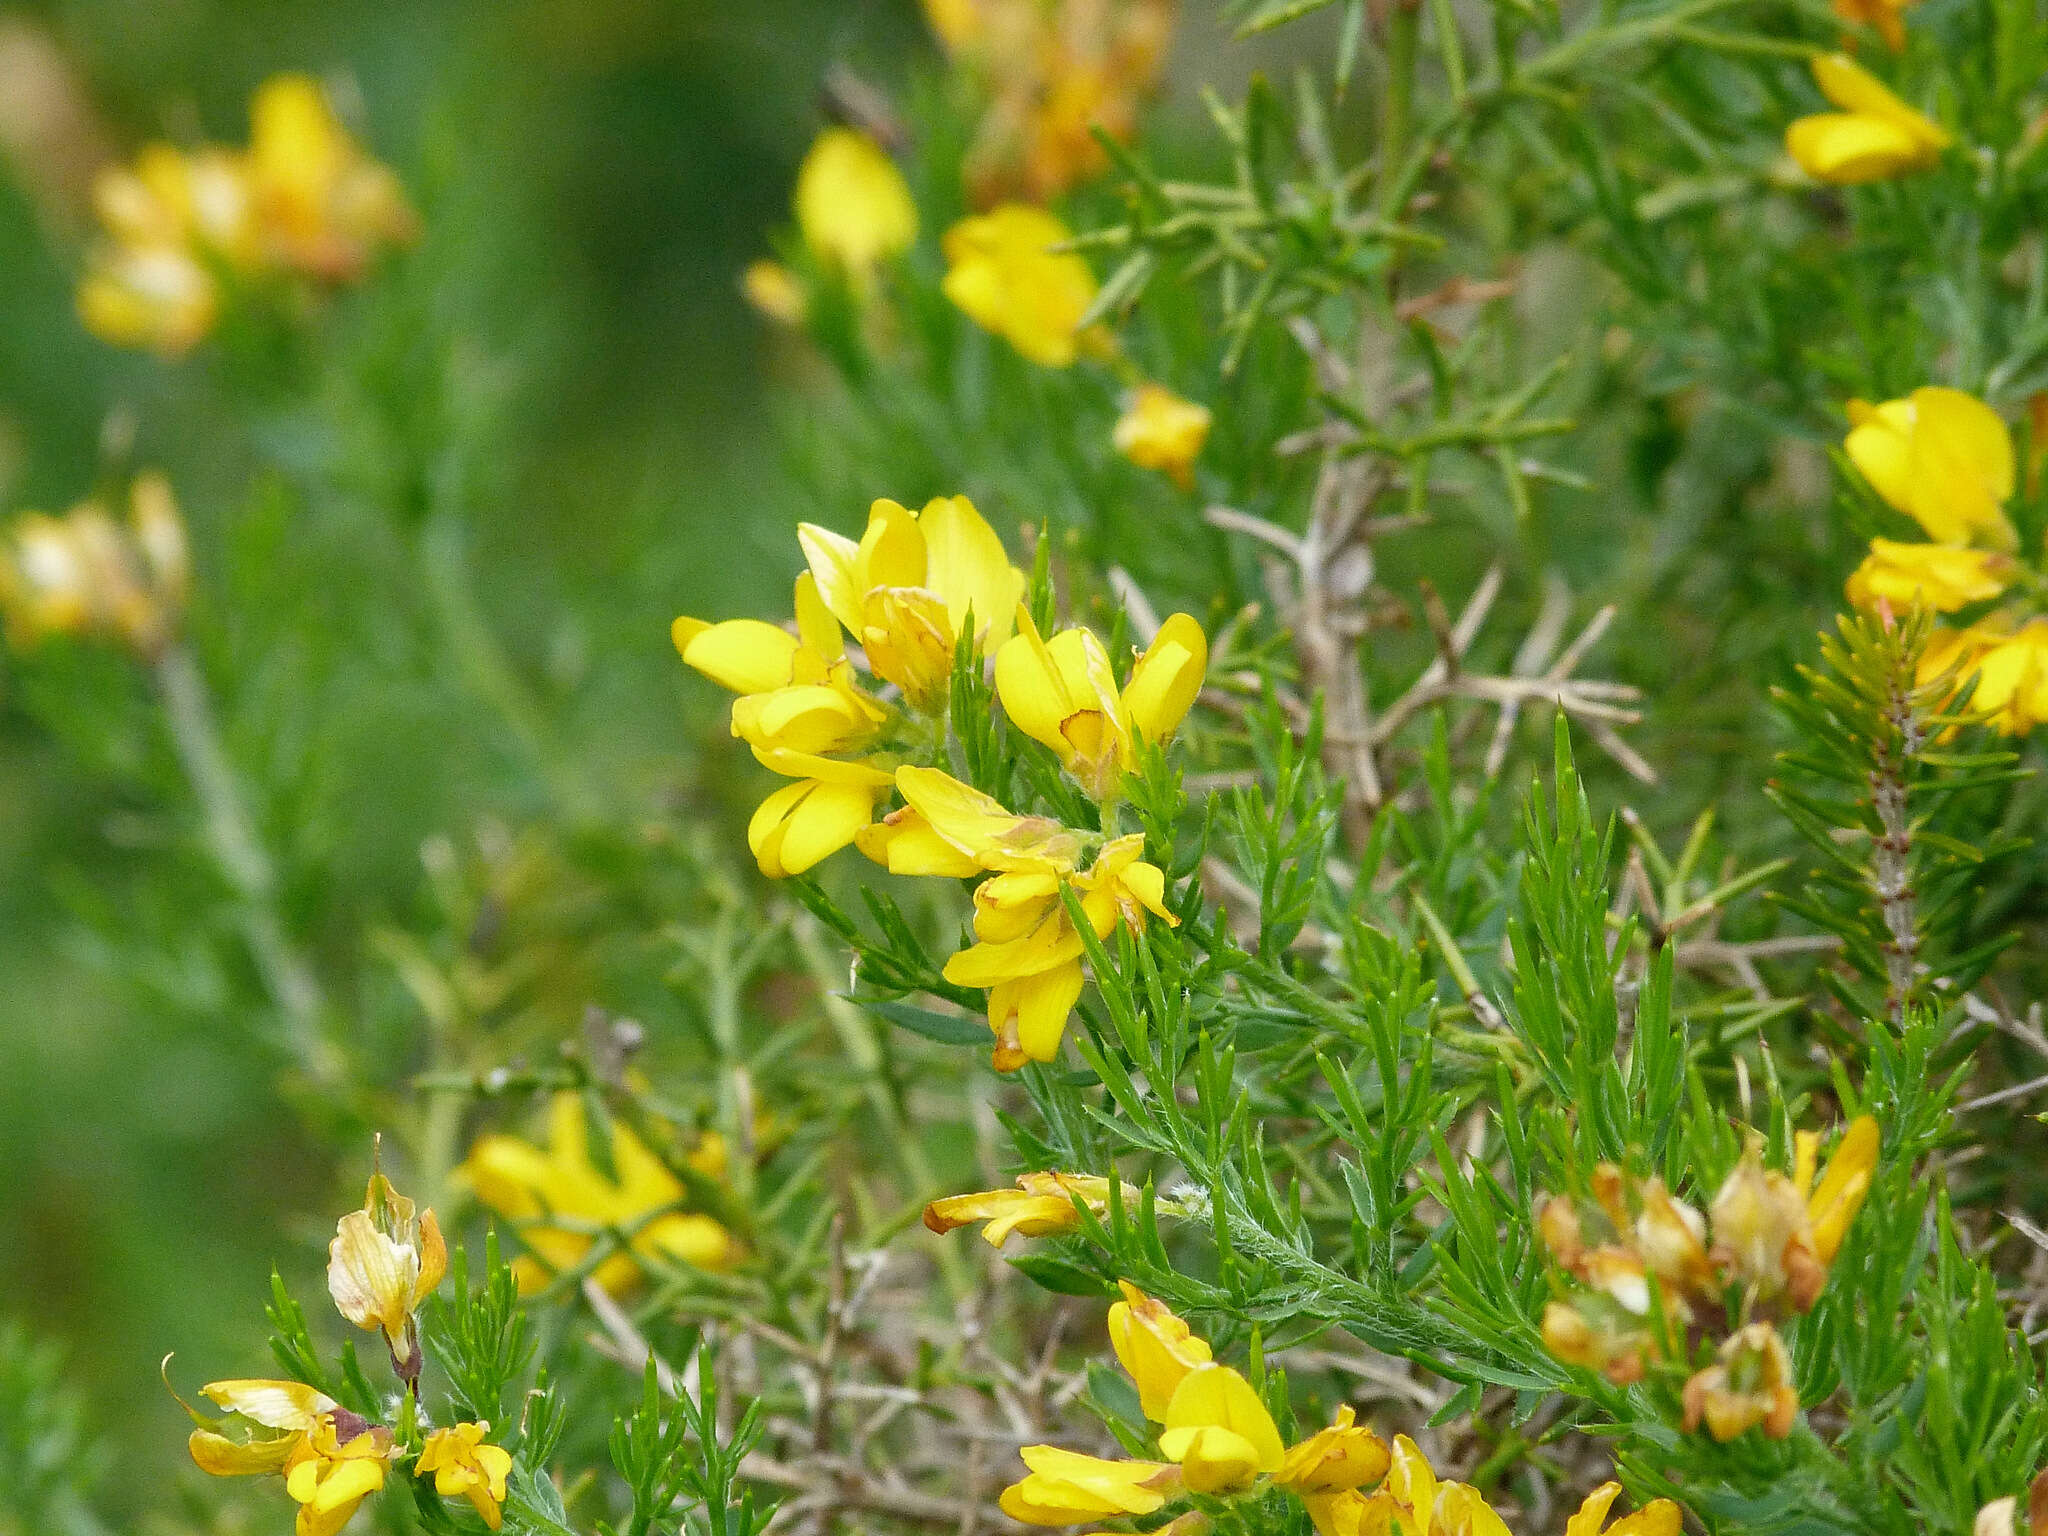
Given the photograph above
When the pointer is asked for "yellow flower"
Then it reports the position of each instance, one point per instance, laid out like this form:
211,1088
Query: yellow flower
155,298
1834,1204
330,1478
85,574
1874,136
1155,1346
1219,1432
1065,1487
1943,458
1062,692
2009,663
1411,1502
1162,431
537,1189
465,1466
1762,1233
912,586
1040,1205
168,220
852,205
384,1261
1002,270
1751,1385
1659,1517
1345,1455
775,291
1888,16
323,207
1940,577
269,1418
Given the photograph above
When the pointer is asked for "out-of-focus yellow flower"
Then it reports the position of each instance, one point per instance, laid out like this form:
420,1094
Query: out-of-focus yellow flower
1052,73
1943,458
1002,270
1940,577
2008,661
1873,137
1066,1487
153,298
852,205
1219,1432
268,1420
1750,1386
323,207
1608,1323
1162,431
384,1261
1762,1234
1832,1205
1888,16
1063,693
1155,1346
466,1466
86,574
1042,1204
776,292
330,1477
1659,1517
560,1200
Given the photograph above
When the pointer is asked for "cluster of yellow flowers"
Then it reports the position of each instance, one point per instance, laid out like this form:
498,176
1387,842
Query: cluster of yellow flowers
1946,460
302,200
384,1262
1217,1439
1051,74
1644,1269
561,1202
87,574
918,591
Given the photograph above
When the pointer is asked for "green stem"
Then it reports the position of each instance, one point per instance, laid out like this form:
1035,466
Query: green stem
242,860
1404,25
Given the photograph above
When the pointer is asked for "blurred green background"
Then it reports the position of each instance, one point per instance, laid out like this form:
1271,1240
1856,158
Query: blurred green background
566,355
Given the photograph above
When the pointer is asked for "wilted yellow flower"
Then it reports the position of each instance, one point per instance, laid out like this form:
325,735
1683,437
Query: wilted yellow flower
1751,1385
268,1420
1003,271
1162,431
1943,458
384,1261
1762,1234
1888,16
85,574
323,207
1874,136
1052,72
1066,1487
1040,1205
1155,1346
466,1466
560,1200
1063,693
1219,1432
1939,577
852,205
330,1477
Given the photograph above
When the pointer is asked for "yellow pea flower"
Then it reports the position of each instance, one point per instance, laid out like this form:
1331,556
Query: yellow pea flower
152,298
1062,692
323,207
1003,272
1874,136
2009,662
466,1466
852,205
1159,430
1066,1487
1659,1517
169,219
1943,458
1343,1456
384,1261
536,1187
1155,1346
1887,16
330,1477
1763,1235
1040,1205
1749,1386
1834,1204
87,574
269,1419
1941,577
1219,1432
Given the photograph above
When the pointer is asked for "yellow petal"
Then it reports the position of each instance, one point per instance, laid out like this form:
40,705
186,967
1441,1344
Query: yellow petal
1849,149
745,655
1215,1397
1410,1481
834,560
1839,1197
218,1456
1041,1004
852,205
1166,679
1879,444
689,1237
1461,1511
892,550
1856,90
1592,1515
1659,1517
967,566
808,821
289,1405
1052,945
1941,577
1155,1346
904,843
1960,469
